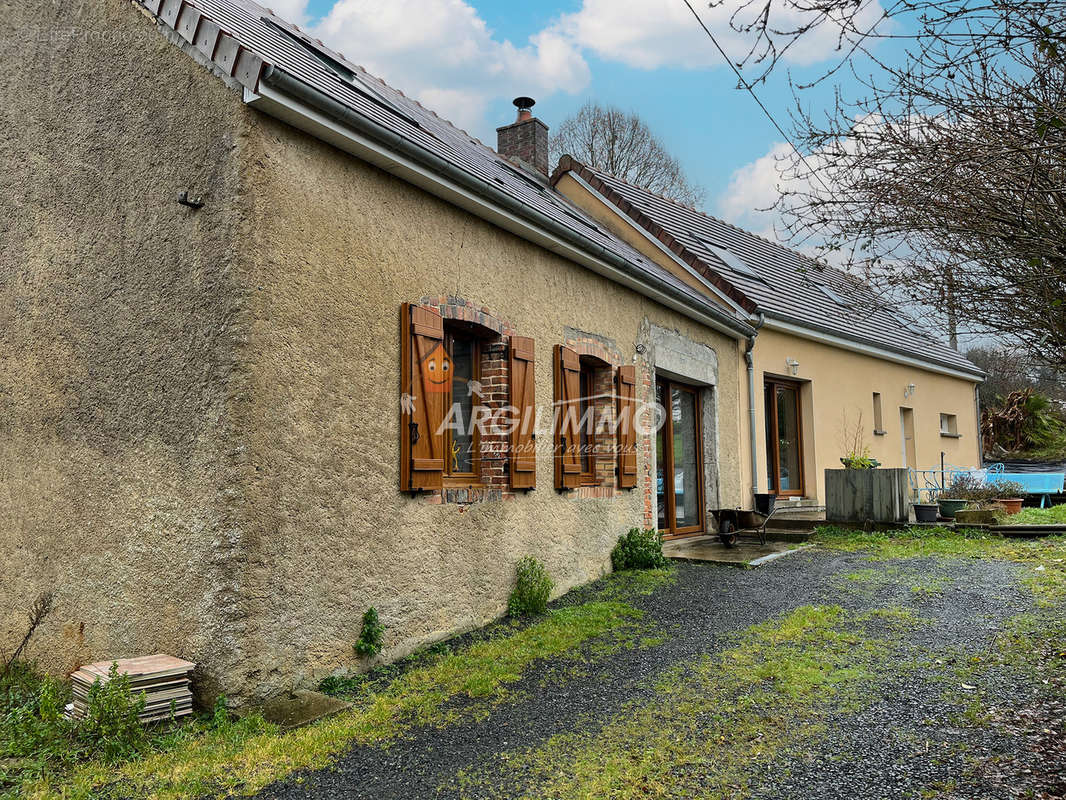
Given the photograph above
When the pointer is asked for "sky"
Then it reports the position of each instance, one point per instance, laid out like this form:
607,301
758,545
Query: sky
467,59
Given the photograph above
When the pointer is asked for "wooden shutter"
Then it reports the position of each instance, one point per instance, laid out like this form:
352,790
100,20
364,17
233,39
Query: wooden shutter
423,399
523,397
627,427
567,417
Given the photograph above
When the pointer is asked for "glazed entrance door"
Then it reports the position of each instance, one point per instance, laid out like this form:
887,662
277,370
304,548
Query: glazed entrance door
784,444
679,460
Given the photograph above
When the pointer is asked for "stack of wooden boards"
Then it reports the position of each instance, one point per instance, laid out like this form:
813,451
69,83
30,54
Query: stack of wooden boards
163,680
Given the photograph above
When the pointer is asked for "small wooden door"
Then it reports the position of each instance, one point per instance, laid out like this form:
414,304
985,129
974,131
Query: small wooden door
679,460
784,438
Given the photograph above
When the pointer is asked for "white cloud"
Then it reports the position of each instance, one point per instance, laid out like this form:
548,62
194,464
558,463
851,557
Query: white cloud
649,35
442,53
294,11
751,200
752,192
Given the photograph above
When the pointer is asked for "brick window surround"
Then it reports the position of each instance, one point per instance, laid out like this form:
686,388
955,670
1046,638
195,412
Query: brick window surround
495,335
604,361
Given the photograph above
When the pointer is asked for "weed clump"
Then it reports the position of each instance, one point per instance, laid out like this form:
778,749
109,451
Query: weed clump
372,636
533,587
638,549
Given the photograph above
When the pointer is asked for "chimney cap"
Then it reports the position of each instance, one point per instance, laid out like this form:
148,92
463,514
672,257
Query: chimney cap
524,103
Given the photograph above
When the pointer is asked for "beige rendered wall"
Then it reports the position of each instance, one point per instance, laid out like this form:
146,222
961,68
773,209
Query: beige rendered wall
624,229
200,408
120,316
339,246
838,386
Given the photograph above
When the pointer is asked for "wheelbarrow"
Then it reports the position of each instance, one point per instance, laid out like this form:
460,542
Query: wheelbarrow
735,522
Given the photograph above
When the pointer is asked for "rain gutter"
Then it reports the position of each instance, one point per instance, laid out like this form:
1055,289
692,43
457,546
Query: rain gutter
291,100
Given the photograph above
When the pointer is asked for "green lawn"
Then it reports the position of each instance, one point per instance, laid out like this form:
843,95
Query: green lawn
205,759
769,689
1055,515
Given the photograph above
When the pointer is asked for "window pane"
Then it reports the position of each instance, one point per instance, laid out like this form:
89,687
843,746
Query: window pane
585,437
788,439
771,453
686,466
463,370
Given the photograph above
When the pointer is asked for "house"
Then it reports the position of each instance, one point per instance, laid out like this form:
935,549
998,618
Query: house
280,345
252,300
832,366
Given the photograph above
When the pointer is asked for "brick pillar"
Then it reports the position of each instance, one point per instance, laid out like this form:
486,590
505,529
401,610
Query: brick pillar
495,395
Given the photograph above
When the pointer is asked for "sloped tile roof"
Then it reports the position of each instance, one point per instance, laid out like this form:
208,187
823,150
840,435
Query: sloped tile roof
247,42
789,286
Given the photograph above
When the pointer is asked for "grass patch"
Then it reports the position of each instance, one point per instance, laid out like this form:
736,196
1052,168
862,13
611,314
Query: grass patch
1055,515
867,582
636,583
444,687
1043,559
713,720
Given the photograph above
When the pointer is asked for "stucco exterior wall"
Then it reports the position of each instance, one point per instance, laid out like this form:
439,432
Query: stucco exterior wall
120,315
340,246
200,408
838,385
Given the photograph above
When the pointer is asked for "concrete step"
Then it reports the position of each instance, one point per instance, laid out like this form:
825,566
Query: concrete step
794,523
789,535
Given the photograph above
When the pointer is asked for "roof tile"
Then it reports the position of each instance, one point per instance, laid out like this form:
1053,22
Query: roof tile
789,285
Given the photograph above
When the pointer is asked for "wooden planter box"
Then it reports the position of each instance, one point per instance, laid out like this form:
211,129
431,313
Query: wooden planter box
861,495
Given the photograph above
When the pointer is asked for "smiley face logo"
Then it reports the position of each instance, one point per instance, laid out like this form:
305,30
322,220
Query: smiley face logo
437,368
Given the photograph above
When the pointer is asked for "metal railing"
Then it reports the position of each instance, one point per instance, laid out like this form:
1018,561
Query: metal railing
928,484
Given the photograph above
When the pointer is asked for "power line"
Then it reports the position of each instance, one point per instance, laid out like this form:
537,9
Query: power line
755,97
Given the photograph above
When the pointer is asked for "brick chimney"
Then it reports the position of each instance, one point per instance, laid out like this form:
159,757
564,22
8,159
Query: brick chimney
526,139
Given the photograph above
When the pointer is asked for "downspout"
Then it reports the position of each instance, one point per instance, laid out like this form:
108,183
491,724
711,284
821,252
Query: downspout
749,358
980,432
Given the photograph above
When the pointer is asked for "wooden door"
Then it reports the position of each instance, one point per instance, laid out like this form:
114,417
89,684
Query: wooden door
906,424
784,438
679,460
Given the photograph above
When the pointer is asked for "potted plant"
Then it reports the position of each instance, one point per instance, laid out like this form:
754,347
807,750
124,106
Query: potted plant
860,460
925,512
975,514
1008,494
950,506
966,488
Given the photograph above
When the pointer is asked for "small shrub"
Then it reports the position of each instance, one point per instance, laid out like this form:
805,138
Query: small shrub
860,459
372,637
533,587
111,729
639,550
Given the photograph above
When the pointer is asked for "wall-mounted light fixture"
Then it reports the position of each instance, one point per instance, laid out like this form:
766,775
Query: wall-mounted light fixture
793,365
641,349
909,391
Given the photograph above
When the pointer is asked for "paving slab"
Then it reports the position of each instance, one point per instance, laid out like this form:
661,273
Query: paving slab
710,550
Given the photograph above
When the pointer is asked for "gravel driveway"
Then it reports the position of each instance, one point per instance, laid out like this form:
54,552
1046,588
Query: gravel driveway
924,725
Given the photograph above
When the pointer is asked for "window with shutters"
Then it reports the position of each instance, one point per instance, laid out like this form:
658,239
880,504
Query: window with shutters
587,451
467,403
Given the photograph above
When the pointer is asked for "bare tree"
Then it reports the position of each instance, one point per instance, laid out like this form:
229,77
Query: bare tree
620,143
943,178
